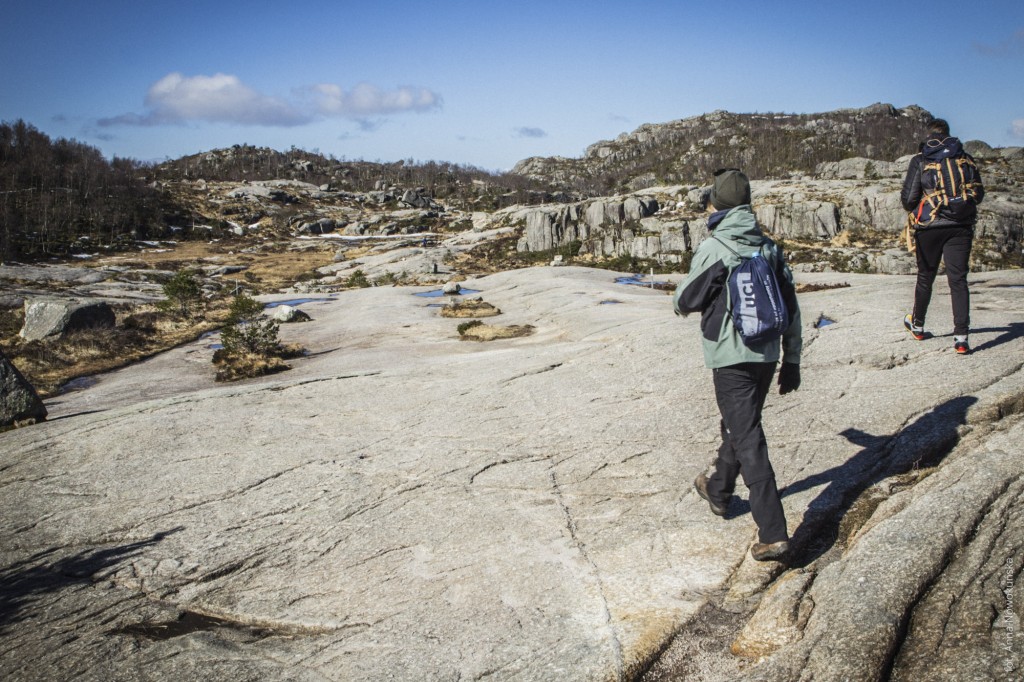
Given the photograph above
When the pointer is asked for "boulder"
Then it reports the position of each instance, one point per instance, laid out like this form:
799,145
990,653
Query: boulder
451,288
413,198
19,401
286,313
980,150
321,226
49,317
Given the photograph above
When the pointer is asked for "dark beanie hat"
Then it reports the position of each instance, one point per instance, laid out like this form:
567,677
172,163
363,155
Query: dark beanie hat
732,189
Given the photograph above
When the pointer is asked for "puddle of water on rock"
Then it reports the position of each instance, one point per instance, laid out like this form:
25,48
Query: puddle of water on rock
296,301
610,301
79,384
186,624
639,281
824,322
438,293
215,346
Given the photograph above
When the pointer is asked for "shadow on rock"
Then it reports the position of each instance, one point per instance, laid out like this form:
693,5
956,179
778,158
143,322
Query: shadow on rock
25,581
1014,330
924,442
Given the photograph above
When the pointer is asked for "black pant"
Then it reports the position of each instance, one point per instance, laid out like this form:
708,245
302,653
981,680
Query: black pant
953,245
740,391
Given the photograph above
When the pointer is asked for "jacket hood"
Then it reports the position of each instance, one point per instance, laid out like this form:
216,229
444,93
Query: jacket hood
736,224
936,148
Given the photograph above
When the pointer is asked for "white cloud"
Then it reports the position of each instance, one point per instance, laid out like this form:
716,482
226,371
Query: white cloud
220,98
223,98
1017,128
365,100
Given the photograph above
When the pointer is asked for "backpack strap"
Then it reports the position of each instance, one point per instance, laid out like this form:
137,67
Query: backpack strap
734,252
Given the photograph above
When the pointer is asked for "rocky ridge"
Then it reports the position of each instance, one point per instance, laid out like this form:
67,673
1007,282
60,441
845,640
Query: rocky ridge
766,145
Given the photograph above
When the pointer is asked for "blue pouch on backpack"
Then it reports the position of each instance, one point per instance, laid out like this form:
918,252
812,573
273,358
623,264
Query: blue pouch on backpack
758,310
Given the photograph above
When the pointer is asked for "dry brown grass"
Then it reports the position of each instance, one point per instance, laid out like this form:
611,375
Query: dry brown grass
235,366
488,332
140,333
474,308
806,288
271,267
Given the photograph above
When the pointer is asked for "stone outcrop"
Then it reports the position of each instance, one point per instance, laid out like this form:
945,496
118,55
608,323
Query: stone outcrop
603,225
50,317
646,225
927,591
19,401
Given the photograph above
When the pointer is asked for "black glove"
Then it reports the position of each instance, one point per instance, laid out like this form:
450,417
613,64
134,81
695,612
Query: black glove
789,378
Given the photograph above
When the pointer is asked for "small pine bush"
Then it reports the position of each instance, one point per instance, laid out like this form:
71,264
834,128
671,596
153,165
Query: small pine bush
184,295
248,329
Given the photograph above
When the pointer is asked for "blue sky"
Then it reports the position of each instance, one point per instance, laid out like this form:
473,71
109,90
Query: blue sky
488,83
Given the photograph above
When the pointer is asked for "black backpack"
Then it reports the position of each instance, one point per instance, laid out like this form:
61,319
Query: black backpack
951,187
758,310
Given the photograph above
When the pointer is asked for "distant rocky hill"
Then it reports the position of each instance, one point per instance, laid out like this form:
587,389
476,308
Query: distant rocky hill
457,183
768,145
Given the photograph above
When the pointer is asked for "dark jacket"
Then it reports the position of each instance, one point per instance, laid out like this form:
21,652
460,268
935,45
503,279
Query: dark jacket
915,186
705,291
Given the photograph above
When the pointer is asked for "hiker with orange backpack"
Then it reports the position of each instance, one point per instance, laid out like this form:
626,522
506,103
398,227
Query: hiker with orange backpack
942,191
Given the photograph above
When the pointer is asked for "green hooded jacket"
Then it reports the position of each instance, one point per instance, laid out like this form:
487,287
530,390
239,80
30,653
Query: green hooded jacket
705,291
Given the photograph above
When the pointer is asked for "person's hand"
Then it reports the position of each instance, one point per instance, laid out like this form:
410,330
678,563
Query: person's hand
789,377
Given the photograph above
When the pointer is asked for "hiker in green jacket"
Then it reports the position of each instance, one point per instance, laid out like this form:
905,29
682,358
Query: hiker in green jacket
741,374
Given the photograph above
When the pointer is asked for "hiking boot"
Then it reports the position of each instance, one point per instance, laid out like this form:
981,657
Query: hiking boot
917,331
961,346
700,484
768,551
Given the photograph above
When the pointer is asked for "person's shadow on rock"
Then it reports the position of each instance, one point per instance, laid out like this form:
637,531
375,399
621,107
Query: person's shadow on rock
1014,330
925,442
27,580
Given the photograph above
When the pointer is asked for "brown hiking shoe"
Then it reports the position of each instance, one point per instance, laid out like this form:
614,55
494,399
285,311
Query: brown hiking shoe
701,486
768,551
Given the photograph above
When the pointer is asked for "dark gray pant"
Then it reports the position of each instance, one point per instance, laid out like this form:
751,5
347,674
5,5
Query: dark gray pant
953,245
740,391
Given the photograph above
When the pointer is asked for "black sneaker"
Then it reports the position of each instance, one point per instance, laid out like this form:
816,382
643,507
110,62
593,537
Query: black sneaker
916,331
962,347
700,484
768,551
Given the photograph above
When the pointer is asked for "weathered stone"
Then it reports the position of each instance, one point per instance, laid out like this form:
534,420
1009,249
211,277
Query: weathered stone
968,624
780,617
968,509
451,288
19,401
220,270
46,317
808,219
